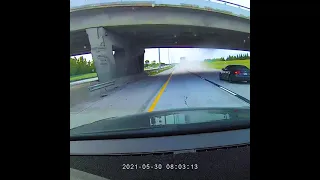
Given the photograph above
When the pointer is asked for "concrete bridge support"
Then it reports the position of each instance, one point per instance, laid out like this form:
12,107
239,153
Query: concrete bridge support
126,60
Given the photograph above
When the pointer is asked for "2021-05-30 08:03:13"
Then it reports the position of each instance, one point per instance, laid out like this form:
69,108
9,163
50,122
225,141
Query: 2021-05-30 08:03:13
160,166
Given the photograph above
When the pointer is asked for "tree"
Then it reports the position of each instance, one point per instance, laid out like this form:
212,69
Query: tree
146,61
230,58
81,66
154,62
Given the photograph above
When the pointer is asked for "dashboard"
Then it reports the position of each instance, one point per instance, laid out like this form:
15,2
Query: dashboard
218,155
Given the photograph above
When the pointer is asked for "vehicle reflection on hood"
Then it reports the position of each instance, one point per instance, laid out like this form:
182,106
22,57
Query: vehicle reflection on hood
160,119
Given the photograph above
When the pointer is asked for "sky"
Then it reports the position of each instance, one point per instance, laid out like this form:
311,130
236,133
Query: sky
192,54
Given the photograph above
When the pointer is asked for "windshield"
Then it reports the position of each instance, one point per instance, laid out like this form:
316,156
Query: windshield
131,60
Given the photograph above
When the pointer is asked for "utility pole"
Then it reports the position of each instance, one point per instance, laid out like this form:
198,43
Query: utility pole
159,55
168,57
159,67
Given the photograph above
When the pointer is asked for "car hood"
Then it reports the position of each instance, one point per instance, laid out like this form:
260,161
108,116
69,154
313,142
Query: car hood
167,118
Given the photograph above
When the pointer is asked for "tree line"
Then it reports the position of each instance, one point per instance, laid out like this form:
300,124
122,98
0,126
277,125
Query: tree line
80,66
230,58
152,64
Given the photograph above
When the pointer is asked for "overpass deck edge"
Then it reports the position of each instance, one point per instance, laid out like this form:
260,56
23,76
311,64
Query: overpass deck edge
193,7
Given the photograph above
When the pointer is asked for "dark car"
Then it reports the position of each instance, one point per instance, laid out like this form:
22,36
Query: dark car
235,73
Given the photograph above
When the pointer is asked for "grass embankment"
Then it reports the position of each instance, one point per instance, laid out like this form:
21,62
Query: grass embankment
93,75
82,76
155,72
223,64
150,66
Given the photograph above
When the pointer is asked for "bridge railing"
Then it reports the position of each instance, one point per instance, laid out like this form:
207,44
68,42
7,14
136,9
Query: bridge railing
101,85
215,5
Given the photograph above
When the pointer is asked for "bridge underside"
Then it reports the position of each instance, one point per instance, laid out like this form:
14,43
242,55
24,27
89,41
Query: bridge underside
163,36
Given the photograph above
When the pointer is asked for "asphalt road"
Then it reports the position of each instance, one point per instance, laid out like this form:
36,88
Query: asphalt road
241,88
185,90
183,86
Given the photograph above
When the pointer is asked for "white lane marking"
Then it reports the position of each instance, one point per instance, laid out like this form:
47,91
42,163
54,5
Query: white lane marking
228,91
222,88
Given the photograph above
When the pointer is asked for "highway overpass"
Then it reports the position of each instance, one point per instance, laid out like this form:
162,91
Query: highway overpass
128,27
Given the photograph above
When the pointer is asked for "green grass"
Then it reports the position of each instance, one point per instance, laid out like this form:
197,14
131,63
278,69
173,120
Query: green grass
223,64
150,66
155,72
82,76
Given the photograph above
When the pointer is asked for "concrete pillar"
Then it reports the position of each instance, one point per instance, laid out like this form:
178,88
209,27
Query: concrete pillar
121,59
137,57
141,63
101,50
129,61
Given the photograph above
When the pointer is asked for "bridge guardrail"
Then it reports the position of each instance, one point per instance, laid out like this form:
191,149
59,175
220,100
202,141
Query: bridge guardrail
101,85
215,5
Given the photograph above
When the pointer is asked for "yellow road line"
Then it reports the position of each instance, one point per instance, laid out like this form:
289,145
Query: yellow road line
154,103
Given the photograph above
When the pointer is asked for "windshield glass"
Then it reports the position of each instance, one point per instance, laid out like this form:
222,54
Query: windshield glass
135,59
